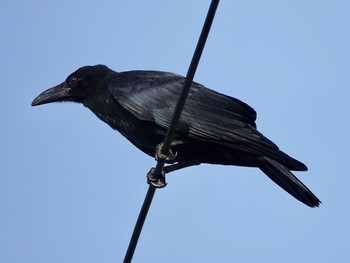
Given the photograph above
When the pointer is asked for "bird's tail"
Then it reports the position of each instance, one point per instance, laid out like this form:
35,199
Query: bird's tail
285,179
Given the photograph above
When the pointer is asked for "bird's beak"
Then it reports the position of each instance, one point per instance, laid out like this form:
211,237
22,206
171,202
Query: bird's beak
57,93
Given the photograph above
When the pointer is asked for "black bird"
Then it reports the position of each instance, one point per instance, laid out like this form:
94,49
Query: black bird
214,128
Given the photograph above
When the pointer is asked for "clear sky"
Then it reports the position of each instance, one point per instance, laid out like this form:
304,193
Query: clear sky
71,188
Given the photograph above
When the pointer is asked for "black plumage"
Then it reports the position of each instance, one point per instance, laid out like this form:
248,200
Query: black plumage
213,128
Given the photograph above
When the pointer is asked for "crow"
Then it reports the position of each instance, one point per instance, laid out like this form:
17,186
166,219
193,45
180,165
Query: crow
213,128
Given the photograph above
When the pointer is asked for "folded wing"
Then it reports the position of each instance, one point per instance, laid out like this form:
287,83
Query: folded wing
207,115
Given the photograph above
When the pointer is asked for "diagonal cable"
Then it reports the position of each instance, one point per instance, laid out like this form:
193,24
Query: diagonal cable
171,130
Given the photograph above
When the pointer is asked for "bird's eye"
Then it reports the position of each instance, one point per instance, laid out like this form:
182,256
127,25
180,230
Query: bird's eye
73,81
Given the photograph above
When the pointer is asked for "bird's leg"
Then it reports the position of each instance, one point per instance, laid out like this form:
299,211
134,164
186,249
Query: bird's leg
170,157
178,166
158,182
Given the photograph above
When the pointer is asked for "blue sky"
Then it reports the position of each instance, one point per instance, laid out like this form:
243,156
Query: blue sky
71,188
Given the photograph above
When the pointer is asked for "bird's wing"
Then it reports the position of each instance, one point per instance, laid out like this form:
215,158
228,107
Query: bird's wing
207,115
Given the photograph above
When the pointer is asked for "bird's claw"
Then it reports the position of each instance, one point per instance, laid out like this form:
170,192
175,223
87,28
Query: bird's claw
170,157
158,182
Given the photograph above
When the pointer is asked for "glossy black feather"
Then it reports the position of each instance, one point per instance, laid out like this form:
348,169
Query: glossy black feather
213,128
207,115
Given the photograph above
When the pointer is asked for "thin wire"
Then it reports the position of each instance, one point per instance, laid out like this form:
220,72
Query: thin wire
171,130
139,224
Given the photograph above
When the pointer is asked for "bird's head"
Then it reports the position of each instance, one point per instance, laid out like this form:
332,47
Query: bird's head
81,84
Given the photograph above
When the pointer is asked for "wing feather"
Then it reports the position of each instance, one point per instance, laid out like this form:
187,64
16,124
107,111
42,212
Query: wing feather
207,115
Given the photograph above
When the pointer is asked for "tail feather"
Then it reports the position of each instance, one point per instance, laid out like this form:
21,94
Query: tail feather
285,179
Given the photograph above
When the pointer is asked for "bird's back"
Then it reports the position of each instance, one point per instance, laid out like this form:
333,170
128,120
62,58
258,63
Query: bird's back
208,118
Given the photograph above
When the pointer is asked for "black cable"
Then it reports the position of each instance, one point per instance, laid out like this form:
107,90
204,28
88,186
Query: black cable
171,130
139,224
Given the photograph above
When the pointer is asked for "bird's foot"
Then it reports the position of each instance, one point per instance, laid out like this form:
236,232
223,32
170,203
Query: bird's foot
170,157
158,182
